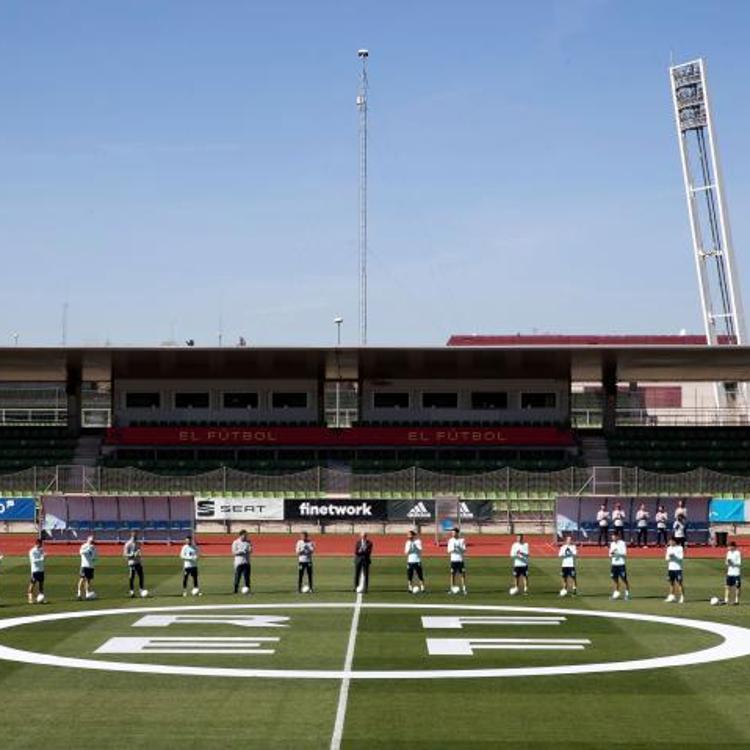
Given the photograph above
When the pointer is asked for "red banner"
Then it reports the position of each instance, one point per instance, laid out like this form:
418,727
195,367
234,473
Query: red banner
352,437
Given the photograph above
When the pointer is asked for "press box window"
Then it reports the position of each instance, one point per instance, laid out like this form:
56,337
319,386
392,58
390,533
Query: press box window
440,401
538,400
191,401
240,400
142,400
289,400
489,400
390,400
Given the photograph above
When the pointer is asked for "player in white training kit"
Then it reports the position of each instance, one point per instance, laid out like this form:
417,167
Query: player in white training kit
733,562
133,552
618,552
305,549
519,554
569,554
36,562
242,548
189,555
89,556
413,552
456,551
675,557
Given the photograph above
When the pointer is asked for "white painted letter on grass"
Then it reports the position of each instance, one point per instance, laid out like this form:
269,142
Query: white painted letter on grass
456,623
186,646
467,646
242,621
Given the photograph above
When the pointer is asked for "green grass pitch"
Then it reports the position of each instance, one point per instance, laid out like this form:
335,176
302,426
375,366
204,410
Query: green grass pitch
700,706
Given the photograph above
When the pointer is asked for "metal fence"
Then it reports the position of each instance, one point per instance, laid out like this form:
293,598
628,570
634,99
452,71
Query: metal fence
414,482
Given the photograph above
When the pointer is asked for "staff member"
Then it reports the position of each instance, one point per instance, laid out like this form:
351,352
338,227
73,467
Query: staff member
602,519
241,551
661,519
133,553
362,560
618,519
641,521
305,549
679,532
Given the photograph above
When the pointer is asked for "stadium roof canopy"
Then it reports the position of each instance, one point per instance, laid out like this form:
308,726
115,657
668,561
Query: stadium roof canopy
519,359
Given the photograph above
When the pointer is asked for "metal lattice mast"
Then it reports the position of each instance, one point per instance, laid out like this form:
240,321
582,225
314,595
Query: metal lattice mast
363,54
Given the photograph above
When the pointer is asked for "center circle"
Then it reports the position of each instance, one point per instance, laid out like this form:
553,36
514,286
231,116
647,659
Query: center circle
736,644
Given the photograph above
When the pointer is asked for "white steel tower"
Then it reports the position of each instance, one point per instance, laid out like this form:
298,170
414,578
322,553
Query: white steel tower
718,280
362,54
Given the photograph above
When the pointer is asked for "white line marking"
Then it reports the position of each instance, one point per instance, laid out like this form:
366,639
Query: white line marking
457,623
175,645
467,646
735,644
338,726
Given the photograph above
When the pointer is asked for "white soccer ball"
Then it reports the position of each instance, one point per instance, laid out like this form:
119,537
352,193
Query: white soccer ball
91,595
360,589
245,590
40,599
513,590
196,591
144,593
615,594
455,589
305,589
715,600
415,589
563,592
670,597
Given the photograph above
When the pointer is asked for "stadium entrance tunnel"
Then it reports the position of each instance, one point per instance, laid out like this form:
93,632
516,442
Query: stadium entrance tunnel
403,641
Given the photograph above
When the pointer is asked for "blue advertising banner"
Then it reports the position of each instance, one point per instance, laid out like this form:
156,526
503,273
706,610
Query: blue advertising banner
727,510
17,509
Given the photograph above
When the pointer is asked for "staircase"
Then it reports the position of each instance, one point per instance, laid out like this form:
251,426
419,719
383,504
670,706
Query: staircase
88,449
594,450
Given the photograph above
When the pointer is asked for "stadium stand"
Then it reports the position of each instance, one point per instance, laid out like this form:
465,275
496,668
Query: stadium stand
23,447
675,449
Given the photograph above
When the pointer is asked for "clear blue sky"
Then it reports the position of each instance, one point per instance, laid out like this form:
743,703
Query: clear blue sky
165,163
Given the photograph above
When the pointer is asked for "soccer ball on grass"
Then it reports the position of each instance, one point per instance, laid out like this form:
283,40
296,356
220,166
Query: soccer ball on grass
40,599
245,590
196,592
91,595
563,592
305,589
715,600
144,593
513,590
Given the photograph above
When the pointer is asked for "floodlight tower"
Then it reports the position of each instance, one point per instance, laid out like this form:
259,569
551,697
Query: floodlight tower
363,55
718,279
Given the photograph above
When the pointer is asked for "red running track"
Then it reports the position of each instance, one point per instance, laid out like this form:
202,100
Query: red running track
342,545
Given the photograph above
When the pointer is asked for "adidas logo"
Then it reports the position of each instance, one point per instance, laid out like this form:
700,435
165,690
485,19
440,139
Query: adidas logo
465,511
420,510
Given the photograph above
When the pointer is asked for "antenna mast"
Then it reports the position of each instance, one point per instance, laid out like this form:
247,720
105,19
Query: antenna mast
363,55
718,279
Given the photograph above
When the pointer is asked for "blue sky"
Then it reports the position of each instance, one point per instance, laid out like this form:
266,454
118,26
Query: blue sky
165,164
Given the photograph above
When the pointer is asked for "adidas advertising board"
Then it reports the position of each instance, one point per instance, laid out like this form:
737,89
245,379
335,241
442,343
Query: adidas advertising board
424,510
333,510
239,509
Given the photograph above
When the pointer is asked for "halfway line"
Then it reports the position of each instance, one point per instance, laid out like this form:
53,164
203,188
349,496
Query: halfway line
338,727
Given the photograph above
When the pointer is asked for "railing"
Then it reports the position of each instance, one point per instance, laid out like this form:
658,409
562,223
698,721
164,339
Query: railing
501,484
54,416
683,417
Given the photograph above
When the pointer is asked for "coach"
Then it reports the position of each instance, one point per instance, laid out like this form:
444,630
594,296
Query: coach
362,560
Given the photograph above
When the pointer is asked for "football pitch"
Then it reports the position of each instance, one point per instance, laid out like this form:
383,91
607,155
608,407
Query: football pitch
280,669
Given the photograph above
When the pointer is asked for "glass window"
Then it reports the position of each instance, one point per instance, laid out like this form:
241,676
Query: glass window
440,401
489,400
289,400
240,400
385,400
142,400
538,400
191,401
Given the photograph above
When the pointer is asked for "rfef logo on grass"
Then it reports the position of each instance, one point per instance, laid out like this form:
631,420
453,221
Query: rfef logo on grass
441,641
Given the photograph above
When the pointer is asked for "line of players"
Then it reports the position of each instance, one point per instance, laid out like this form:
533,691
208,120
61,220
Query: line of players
457,550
